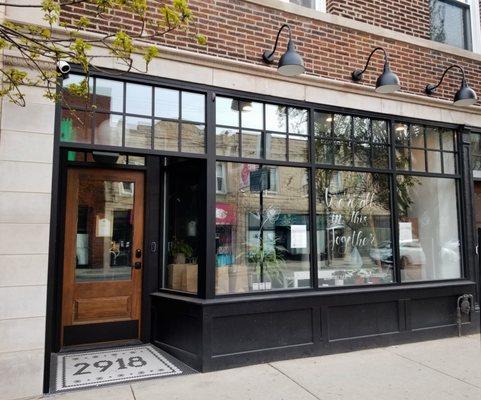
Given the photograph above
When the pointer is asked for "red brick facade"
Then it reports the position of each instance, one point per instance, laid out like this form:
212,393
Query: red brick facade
406,16
241,30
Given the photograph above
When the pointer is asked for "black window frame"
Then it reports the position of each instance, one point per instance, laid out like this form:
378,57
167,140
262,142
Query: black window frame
467,28
206,280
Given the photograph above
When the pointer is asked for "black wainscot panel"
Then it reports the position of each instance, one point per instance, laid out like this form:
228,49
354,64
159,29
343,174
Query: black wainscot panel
360,320
248,332
226,332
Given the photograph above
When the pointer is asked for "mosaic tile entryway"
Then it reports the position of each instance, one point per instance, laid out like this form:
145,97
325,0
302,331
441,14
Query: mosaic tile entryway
121,364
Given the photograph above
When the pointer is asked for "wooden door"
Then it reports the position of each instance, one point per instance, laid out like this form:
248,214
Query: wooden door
103,250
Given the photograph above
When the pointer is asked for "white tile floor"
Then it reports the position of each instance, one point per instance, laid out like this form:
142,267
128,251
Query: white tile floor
95,368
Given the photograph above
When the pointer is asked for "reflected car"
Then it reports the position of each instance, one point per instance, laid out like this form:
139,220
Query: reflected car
410,253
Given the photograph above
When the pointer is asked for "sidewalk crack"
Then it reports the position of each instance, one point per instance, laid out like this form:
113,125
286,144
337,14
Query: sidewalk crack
294,381
434,369
132,390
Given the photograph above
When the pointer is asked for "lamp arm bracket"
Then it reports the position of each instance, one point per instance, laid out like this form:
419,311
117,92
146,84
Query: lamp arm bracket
357,74
268,56
430,88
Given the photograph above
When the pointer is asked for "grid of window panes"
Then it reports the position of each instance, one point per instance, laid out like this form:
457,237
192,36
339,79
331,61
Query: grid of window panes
258,130
123,114
423,148
346,140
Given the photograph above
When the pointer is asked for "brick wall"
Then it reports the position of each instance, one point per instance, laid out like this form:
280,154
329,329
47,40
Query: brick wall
241,30
406,16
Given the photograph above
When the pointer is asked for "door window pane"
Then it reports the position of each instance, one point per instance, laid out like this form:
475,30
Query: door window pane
104,230
353,228
428,228
262,229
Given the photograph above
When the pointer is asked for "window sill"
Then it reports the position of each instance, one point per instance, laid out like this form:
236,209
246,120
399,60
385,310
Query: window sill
308,292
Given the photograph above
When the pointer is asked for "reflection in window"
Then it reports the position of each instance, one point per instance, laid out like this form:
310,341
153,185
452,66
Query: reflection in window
262,228
450,22
178,116
353,228
428,234
423,148
183,224
346,140
476,154
104,230
256,130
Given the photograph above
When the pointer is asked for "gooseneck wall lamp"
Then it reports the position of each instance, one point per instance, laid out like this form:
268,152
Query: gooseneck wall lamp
387,82
465,96
290,63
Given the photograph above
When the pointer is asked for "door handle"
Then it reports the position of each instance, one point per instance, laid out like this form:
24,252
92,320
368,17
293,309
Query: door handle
138,265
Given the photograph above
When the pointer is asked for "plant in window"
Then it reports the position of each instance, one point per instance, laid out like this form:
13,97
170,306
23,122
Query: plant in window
267,262
180,250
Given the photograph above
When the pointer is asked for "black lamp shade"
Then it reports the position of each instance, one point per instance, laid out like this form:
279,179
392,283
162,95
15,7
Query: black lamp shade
291,63
465,96
388,81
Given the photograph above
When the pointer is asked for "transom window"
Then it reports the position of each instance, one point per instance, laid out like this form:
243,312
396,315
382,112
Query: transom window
135,116
351,141
257,130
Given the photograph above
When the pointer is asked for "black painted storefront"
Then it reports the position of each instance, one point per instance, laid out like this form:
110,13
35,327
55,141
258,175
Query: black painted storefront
210,332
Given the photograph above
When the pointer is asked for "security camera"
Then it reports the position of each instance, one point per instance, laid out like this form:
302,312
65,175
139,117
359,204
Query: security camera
63,67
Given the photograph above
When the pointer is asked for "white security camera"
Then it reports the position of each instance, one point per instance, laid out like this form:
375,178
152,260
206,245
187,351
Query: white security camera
63,67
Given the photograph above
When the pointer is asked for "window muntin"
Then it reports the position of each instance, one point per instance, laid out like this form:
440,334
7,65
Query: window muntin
353,228
262,229
429,247
351,141
423,148
134,115
451,22
261,130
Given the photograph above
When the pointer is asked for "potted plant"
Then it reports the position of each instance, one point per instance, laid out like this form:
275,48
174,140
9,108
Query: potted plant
179,250
268,263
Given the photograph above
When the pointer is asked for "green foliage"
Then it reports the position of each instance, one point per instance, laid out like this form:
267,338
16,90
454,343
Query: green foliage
180,247
72,43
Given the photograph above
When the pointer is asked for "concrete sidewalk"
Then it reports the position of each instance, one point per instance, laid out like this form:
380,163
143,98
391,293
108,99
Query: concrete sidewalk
437,370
